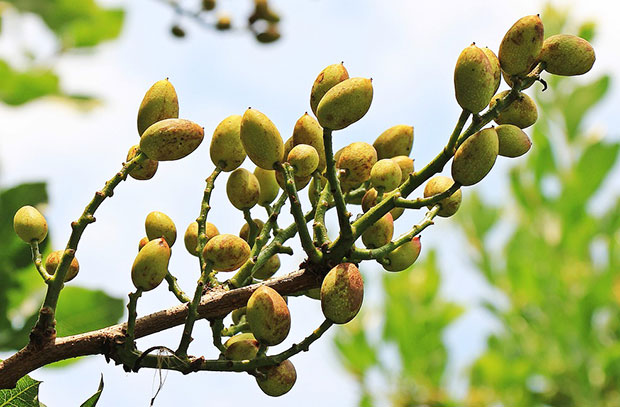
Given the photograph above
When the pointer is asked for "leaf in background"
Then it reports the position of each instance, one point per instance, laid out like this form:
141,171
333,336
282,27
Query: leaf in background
92,401
81,310
587,31
353,347
25,394
477,218
581,101
19,87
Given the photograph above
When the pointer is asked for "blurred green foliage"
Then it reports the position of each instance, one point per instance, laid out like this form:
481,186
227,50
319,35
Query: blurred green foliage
553,254
74,25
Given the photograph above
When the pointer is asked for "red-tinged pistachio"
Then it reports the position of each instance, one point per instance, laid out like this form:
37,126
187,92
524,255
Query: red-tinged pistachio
53,260
567,55
474,79
151,265
327,79
521,45
268,316
403,256
146,169
356,161
143,242
342,293
171,139
226,252
495,67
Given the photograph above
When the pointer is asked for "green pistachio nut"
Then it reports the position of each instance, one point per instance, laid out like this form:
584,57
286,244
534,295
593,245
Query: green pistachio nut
397,140
29,224
520,47
567,55
304,159
271,266
261,139
495,67
403,256
268,316
226,149
171,139
142,242
474,79
345,103
151,265
53,260
269,188
327,79
439,184
314,293
158,224
160,102
208,5
243,189
355,162
191,236
522,112
513,142
244,233
308,131
236,318
239,337
475,157
146,169
370,199
406,166
223,23
385,174
271,34
226,252
242,349
379,233
277,380
342,292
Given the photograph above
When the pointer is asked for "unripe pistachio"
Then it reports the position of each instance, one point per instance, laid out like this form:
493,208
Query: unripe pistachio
509,82
356,160
406,166
403,256
269,188
397,140
242,189
268,316
513,142
379,233
29,224
243,349
158,224
342,292
300,182
277,380
226,149
495,67
146,169
53,260
474,79
345,103
308,131
142,243
160,102
236,318
475,157
239,337
268,269
261,139
244,233
327,79
522,112
304,159
439,184
370,199
151,265
191,236
226,252
567,55
271,34
223,22
177,31
171,139
521,45
208,5
314,293
385,174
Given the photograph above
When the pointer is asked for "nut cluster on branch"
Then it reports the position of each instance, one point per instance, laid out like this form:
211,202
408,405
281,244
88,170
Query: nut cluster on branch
378,178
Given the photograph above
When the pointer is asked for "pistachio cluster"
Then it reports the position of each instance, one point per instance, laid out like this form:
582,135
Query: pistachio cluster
376,177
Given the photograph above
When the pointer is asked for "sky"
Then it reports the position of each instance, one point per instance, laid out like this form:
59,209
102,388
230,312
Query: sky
408,48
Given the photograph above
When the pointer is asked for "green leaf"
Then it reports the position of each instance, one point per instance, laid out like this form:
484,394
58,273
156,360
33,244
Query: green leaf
587,31
92,401
25,394
354,349
19,87
81,310
580,101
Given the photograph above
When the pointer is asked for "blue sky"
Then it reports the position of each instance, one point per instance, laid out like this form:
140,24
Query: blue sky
408,48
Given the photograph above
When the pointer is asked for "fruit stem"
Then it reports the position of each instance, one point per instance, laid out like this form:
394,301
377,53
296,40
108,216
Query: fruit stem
38,264
131,319
422,202
174,287
43,330
253,228
380,252
334,186
235,329
322,205
217,325
202,228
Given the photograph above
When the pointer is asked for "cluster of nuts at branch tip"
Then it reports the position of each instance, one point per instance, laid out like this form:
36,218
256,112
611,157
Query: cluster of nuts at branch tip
369,176
262,22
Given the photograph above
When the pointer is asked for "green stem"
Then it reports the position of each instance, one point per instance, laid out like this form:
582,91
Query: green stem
422,202
44,328
217,325
235,329
131,319
205,207
253,229
319,228
304,235
174,287
380,252
334,186
38,263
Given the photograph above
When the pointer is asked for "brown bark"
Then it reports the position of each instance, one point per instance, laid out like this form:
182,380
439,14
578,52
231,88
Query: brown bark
217,303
